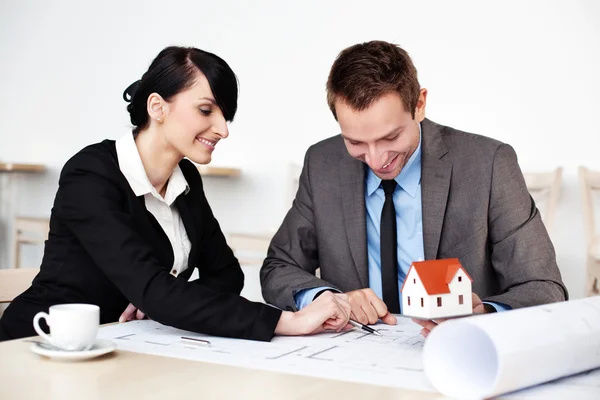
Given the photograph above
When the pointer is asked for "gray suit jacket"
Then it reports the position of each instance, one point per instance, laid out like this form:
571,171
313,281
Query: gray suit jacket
475,207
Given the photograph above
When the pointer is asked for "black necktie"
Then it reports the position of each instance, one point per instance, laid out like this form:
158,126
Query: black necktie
389,262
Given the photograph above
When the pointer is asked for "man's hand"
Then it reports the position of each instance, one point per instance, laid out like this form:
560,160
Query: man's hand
428,325
328,312
131,313
367,308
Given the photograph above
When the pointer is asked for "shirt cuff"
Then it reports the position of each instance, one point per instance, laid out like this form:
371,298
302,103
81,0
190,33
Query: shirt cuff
305,296
499,307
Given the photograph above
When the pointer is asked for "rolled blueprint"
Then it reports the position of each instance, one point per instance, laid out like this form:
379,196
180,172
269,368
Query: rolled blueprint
492,354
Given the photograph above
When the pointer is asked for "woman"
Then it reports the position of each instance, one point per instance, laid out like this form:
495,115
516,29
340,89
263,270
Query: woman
130,220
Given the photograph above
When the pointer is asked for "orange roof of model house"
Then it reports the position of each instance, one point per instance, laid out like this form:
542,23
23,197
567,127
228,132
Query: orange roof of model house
437,274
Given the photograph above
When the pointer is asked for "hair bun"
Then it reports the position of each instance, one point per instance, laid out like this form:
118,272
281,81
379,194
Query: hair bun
131,90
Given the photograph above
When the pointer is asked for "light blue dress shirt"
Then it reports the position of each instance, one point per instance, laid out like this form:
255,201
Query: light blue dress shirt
409,225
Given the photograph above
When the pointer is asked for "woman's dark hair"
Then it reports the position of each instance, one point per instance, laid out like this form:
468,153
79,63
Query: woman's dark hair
175,69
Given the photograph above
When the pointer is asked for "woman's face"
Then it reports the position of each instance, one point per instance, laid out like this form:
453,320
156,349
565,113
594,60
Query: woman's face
193,122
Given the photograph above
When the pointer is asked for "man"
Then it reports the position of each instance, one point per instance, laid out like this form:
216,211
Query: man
395,188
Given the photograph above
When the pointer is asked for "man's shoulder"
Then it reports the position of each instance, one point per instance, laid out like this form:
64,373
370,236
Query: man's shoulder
453,136
461,144
331,148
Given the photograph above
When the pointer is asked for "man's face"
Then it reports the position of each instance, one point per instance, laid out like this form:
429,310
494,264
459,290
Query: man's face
384,135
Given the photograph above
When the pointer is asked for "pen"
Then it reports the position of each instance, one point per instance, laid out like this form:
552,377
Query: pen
196,340
364,327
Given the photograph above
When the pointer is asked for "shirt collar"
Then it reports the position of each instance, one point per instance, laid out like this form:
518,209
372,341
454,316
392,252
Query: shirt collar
408,179
130,164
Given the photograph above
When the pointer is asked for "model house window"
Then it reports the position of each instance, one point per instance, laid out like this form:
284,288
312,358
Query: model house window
460,299
409,300
414,281
439,299
422,305
460,278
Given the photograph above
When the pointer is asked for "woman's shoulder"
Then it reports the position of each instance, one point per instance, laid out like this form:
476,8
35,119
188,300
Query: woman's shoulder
99,158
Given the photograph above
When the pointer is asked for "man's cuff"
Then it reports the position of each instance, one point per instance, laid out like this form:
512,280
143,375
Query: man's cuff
306,296
491,306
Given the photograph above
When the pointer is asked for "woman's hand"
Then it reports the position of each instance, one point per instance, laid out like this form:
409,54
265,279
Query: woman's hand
131,313
330,311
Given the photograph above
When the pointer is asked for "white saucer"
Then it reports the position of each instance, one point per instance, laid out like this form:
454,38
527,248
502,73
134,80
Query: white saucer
101,347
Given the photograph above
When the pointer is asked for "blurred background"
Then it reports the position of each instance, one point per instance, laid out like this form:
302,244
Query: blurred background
523,72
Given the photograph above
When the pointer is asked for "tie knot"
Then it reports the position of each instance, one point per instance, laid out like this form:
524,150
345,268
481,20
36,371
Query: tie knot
388,186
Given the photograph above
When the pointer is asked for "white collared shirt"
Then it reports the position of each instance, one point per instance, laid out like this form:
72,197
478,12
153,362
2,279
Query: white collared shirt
163,209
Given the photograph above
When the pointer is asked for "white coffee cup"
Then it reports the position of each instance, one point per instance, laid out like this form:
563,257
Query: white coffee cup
73,327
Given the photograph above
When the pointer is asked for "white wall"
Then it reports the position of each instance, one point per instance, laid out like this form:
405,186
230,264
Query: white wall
525,72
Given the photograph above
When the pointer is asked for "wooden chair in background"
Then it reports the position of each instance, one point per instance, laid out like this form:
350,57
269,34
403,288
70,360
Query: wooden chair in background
545,187
13,282
589,182
29,231
249,248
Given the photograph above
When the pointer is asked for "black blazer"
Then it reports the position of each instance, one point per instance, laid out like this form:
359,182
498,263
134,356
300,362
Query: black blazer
105,248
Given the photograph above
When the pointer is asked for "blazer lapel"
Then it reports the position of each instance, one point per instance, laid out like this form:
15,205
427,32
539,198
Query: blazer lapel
150,229
435,186
352,180
188,222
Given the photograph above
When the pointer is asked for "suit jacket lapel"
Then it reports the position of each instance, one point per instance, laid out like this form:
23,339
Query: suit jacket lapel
181,202
352,180
150,229
435,186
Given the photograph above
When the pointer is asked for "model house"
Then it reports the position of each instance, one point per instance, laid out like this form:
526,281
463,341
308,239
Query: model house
437,289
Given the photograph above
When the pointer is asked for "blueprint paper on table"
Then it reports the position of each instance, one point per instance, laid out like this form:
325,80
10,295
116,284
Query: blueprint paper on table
524,340
393,359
